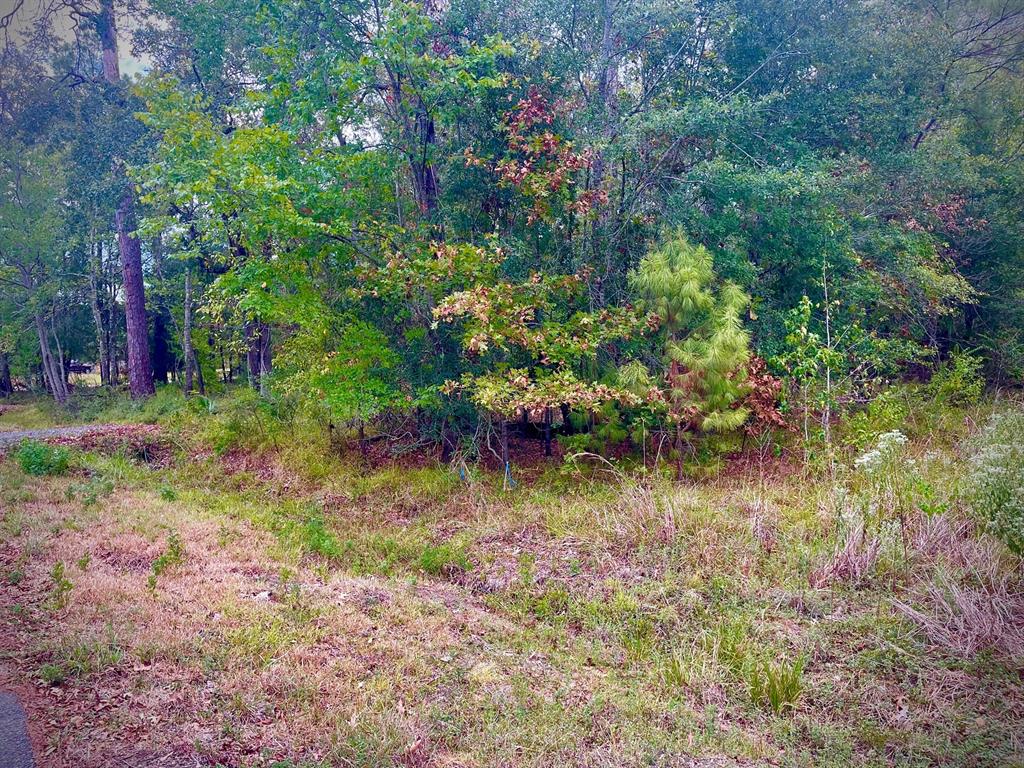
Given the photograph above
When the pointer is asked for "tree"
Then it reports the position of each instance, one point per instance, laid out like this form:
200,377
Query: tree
32,247
140,374
705,347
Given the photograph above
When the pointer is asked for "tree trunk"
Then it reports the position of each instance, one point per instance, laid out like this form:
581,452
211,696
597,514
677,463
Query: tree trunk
53,377
607,91
258,354
95,278
106,28
504,445
252,353
266,361
6,387
140,378
680,474
115,362
186,333
423,173
163,360
60,360
547,431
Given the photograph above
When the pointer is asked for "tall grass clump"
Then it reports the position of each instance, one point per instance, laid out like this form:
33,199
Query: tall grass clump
995,484
776,685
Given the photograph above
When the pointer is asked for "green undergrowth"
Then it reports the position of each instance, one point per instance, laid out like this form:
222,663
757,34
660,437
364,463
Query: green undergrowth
752,618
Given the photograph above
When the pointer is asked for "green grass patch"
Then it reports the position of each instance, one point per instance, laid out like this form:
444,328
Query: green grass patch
39,459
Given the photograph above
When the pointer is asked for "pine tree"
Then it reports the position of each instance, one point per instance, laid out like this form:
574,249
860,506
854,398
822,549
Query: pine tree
705,345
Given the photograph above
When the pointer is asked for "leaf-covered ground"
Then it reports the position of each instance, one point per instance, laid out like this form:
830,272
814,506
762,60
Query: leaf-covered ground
163,605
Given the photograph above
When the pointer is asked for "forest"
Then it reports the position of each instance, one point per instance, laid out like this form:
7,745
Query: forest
702,319
443,220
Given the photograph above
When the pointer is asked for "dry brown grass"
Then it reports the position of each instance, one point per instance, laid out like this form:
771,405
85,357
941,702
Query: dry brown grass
966,620
551,650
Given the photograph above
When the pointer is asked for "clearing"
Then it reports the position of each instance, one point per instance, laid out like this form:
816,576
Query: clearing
164,603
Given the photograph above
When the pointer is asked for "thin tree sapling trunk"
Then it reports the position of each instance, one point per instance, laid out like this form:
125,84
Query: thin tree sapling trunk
95,278
52,378
186,333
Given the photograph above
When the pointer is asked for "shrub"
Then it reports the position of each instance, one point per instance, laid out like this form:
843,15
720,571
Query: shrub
959,380
888,411
39,459
995,485
174,554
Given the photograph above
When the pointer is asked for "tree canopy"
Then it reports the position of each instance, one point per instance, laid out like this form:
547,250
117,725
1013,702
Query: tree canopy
453,216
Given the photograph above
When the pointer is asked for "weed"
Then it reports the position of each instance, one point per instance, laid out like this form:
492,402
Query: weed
118,468
173,555
13,523
260,639
61,591
167,493
316,539
82,658
968,620
40,459
52,674
83,562
91,490
687,668
676,673
638,638
776,684
728,644
552,605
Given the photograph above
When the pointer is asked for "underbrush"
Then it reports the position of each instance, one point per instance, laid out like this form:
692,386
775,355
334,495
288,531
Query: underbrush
102,405
40,459
747,616
996,482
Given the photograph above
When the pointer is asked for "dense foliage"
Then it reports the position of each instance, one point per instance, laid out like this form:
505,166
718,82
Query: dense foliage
647,226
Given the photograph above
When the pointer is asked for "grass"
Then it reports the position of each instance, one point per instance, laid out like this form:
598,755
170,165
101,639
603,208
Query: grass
22,412
77,658
312,611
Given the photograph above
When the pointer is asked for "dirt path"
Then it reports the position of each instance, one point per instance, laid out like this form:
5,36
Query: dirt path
15,437
88,435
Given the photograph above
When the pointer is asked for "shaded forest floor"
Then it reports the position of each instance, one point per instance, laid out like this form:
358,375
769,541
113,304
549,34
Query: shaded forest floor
182,598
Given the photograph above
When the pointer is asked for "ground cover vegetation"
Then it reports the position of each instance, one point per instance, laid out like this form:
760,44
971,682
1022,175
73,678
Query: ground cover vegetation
469,382
230,591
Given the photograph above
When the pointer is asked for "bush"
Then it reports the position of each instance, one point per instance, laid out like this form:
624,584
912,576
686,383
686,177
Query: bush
995,485
40,459
959,381
888,411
